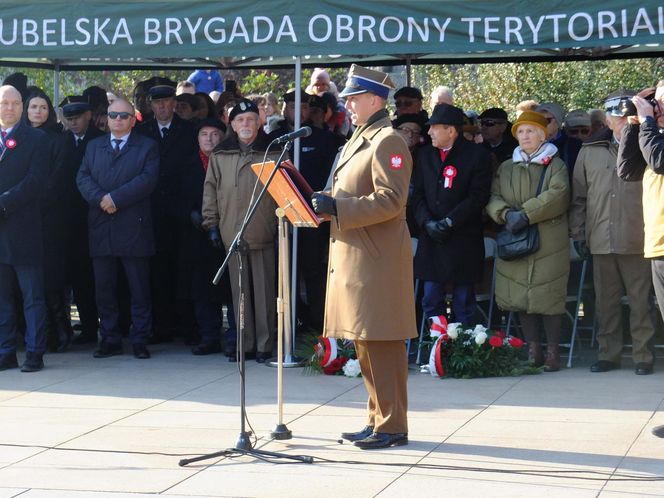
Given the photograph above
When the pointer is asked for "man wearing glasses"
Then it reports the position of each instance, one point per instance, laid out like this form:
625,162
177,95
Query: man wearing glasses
408,100
118,174
496,134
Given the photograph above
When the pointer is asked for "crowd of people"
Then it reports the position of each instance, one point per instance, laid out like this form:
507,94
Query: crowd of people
125,207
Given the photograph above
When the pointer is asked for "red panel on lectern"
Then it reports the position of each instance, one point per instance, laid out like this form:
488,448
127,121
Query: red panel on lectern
291,192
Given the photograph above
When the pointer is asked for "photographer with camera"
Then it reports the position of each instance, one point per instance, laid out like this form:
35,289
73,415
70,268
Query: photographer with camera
641,157
606,220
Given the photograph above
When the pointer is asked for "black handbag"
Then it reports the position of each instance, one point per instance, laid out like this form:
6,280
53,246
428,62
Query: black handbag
522,243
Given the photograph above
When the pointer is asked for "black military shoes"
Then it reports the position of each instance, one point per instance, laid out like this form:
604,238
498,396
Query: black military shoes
107,349
357,436
382,440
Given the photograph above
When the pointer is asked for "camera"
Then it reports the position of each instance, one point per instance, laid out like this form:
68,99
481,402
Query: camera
623,106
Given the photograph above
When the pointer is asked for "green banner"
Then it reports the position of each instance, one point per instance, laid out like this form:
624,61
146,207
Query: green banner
191,29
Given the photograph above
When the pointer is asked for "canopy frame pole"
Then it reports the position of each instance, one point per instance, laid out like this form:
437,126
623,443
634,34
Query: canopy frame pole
56,84
289,356
409,70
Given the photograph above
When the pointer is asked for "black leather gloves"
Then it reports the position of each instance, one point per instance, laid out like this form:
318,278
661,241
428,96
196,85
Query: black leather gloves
215,238
581,249
438,230
323,203
196,219
516,221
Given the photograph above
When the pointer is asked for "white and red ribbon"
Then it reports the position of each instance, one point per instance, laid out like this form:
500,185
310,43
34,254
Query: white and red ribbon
449,172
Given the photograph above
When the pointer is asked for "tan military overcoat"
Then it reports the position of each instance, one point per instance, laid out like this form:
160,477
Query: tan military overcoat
370,279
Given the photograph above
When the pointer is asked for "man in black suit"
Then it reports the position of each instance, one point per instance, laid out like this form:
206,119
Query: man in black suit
118,174
177,144
23,172
78,117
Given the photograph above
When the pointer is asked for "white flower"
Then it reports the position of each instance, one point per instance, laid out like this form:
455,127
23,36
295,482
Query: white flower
480,338
352,368
479,329
453,330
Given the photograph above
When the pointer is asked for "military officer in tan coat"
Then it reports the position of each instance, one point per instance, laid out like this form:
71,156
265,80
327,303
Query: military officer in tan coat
370,282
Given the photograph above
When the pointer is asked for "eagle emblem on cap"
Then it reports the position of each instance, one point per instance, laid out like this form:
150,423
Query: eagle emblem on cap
396,161
243,106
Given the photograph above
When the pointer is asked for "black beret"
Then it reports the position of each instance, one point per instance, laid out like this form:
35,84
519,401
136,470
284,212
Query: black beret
446,114
73,105
211,123
242,107
410,92
161,92
494,113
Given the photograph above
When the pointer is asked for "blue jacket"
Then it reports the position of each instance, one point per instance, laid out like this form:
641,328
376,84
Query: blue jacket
206,82
129,178
23,173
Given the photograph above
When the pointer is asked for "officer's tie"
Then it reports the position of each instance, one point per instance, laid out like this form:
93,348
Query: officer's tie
164,133
116,147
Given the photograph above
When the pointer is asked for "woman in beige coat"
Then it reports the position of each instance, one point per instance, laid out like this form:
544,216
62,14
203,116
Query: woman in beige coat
534,285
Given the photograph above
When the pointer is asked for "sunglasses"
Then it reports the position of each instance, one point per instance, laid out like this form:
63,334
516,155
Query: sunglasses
121,115
488,123
578,131
404,102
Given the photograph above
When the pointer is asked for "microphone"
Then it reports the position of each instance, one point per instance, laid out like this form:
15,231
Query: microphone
305,131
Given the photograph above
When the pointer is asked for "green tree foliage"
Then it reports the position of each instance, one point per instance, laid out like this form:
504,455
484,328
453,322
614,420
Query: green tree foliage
574,85
476,86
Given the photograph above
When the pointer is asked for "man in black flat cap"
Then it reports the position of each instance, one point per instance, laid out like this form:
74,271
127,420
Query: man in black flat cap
495,130
451,186
177,144
80,130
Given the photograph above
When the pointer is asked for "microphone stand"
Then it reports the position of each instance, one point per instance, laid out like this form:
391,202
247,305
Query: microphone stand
243,445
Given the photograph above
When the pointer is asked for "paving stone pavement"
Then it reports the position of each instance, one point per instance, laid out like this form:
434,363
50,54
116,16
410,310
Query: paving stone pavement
117,427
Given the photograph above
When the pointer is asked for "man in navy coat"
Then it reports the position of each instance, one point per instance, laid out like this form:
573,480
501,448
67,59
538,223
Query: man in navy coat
118,174
23,172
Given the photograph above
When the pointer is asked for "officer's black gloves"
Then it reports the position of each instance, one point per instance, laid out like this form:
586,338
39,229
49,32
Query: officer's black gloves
438,230
581,249
516,221
323,203
215,237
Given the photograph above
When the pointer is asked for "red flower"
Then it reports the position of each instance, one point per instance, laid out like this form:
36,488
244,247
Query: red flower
335,366
10,143
515,342
495,341
546,160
